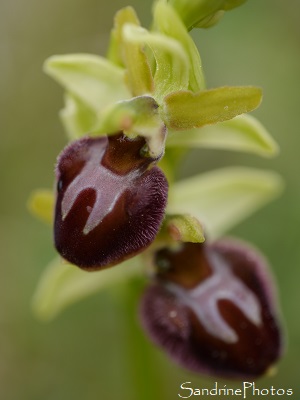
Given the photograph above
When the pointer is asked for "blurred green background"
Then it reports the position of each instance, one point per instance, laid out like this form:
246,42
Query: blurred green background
96,349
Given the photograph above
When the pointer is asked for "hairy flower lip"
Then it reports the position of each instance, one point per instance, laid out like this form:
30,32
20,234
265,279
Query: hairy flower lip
231,340
110,201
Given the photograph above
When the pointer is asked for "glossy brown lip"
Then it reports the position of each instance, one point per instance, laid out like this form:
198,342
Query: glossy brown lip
110,201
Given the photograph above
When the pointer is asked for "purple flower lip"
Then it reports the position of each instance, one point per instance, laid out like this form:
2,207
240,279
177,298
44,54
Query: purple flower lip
110,201
214,310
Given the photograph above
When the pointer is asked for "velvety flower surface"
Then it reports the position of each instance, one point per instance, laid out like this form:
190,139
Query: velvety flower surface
213,309
110,200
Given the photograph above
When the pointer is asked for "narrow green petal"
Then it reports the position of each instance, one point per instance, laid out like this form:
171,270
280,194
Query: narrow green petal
172,64
186,110
63,284
168,22
78,119
242,133
222,198
93,79
41,204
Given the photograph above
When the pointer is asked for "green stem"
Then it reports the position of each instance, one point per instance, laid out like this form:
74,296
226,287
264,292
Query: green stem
144,371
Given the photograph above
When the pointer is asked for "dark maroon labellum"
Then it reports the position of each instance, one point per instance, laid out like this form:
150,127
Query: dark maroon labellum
212,308
110,201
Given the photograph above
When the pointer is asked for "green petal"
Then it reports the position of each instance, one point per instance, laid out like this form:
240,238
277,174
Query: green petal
168,22
222,198
41,205
63,284
77,118
93,79
172,64
242,133
186,110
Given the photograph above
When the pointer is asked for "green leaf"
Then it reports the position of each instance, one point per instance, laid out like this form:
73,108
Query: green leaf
222,198
168,22
78,119
186,110
172,64
41,205
93,79
242,133
63,284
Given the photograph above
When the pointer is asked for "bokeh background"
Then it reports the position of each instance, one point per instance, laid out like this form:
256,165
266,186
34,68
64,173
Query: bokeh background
96,349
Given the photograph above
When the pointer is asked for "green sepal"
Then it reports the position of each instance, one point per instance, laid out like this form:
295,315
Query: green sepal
222,198
78,119
186,110
172,63
183,228
93,79
242,133
63,284
41,204
136,117
167,22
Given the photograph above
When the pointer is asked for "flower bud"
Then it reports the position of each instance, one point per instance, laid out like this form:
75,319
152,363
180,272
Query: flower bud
212,308
110,201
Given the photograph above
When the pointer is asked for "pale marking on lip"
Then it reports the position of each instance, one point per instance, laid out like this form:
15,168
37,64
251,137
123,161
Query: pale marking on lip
107,185
222,285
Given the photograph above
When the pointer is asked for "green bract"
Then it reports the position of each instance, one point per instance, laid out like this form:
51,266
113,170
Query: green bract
167,21
203,13
152,85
